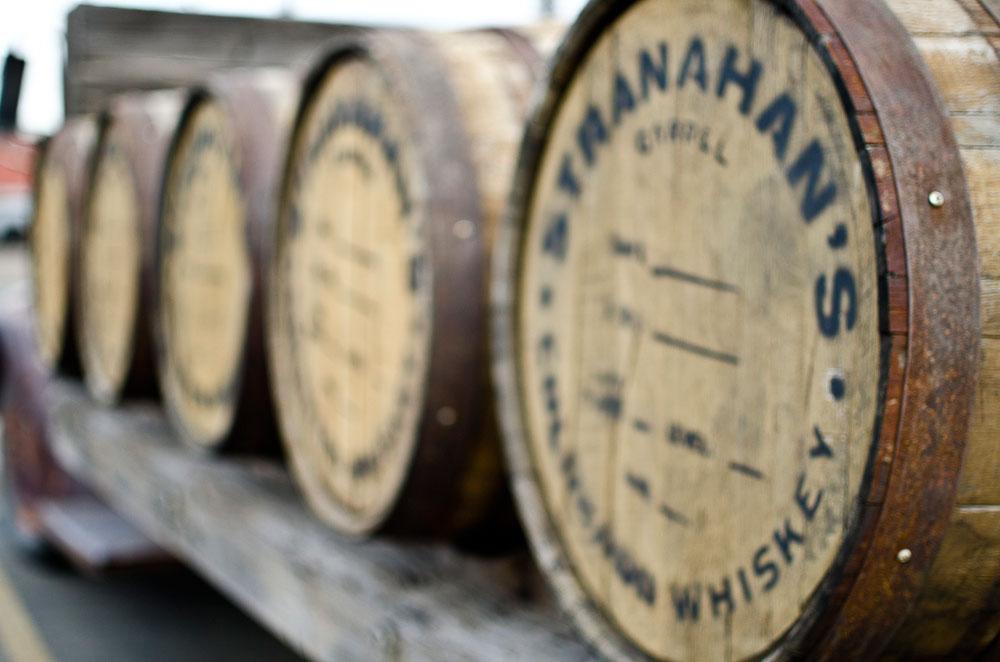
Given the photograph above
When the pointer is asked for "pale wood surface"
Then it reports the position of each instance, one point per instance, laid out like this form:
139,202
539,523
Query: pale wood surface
118,248
493,90
111,257
60,195
50,242
667,332
943,17
354,283
205,273
242,525
353,312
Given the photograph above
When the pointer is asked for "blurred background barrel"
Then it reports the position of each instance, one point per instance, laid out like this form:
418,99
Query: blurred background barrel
62,177
118,244
398,172
735,409
219,203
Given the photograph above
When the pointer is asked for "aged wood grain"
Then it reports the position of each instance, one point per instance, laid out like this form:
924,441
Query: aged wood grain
219,204
668,300
118,245
956,612
244,527
571,322
61,181
205,275
397,177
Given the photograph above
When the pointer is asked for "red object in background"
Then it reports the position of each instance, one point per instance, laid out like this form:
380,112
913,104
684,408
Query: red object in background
17,167
17,160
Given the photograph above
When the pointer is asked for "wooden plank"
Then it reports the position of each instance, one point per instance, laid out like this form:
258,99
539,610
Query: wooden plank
982,172
932,17
989,308
108,30
980,481
113,49
977,130
965,69
243,525
95,538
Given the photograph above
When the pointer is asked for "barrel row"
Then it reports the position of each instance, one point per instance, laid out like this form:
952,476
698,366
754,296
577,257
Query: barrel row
736,274
336,219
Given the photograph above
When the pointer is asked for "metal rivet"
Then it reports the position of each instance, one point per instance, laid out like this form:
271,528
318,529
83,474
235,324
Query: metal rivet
447,416
904,556
936,198
463,229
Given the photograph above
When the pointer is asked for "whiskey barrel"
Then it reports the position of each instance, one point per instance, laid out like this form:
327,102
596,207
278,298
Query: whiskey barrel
219,202
61,178
740,328
396,178
118,244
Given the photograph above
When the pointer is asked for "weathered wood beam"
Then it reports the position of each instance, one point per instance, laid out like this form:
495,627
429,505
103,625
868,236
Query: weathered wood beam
242,524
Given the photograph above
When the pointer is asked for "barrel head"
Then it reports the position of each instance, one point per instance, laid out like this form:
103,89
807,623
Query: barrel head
111,262
205,276
692,327
352,305
61,180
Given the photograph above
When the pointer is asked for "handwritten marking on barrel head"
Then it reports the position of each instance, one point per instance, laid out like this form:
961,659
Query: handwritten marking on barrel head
638,484
698,350
746,470
681,435
663,271
626,248
673,515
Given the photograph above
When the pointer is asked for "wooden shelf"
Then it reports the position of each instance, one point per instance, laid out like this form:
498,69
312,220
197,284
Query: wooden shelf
242,524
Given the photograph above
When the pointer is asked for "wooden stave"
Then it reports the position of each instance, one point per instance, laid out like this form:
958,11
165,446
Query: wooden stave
423,506
955,615
490,511
820,634
73,146
149,120
263,138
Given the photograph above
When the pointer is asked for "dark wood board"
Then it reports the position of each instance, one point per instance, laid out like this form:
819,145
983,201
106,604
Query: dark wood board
109,50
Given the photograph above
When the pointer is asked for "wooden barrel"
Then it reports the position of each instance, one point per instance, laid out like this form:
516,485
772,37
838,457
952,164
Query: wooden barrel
61,179
397,175
740,328
219,202
118,244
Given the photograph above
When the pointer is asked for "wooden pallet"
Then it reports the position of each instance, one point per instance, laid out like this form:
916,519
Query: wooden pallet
242,524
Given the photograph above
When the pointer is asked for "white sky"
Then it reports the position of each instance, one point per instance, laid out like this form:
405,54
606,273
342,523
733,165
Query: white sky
34,29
